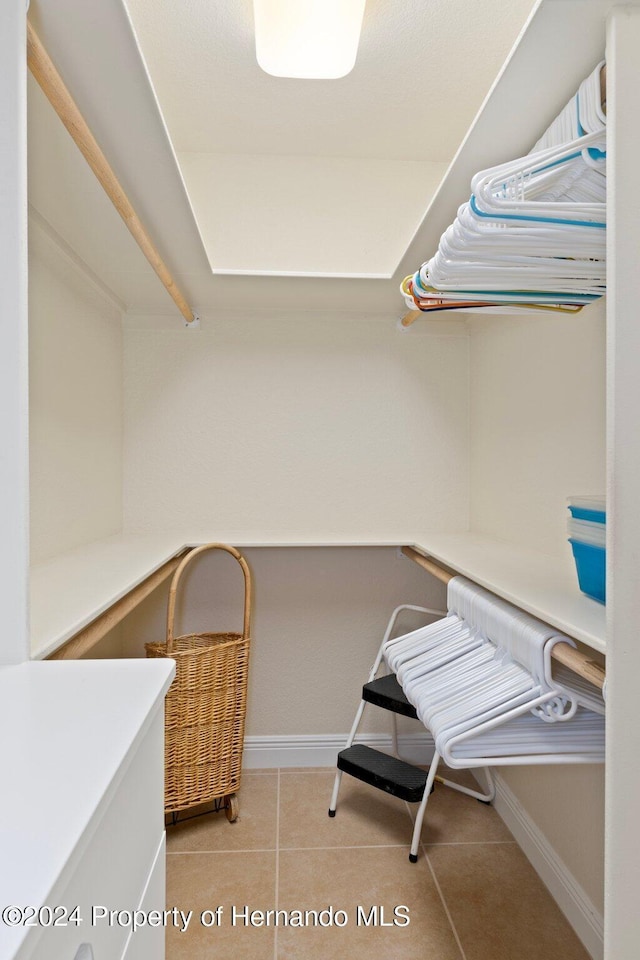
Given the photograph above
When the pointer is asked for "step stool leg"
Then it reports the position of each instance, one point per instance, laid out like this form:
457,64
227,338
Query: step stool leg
363,703
394,735
349,743
487,797
334,795
417,828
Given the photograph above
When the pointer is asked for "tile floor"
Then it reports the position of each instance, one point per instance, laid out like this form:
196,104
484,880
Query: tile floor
471,896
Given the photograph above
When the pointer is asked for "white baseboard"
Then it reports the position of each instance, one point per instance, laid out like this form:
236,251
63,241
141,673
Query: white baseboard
585,919
321,751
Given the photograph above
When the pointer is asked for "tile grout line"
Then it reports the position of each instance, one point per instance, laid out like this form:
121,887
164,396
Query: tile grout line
454,843
209,853
358,846
343,846
277,886
346,846
469,843
444,903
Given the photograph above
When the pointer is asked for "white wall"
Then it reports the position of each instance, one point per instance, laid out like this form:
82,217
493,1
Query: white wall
319,617
537,418
622,928
567,805
14,466
305,428
75,403
312,215
537,423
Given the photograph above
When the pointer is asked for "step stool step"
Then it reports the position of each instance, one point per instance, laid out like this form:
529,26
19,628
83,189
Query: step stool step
384,772
387,693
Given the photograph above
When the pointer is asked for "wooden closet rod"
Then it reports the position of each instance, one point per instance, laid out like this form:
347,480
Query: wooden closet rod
63,103
410,317
564,653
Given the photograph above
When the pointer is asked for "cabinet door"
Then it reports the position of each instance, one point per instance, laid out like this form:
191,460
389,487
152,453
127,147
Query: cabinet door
110,869
148,943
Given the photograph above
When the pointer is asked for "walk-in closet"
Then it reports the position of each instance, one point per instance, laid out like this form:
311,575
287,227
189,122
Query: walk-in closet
221,323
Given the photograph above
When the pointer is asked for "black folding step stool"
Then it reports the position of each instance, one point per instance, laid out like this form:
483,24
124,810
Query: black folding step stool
390,773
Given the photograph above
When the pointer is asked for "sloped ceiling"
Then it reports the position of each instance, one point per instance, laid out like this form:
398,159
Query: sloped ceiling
310,183
313,177
422,70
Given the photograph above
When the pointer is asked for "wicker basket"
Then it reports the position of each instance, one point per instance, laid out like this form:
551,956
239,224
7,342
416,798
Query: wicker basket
206,705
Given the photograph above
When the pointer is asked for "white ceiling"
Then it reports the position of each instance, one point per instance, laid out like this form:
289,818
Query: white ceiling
207,48
321,201
422,70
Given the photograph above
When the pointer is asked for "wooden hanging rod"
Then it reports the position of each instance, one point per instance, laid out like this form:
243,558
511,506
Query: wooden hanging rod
63,103
410,318
578,661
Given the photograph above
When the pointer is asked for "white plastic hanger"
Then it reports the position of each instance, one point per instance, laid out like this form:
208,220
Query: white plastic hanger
533,229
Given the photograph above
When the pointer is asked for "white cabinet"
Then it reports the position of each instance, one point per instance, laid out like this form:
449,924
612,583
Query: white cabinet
88,830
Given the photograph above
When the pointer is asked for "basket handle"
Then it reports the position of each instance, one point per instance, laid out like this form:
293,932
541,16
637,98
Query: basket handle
173,590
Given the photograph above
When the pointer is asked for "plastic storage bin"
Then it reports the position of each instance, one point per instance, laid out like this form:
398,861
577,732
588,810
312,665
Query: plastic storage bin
588,508
587,536
591,564
587,532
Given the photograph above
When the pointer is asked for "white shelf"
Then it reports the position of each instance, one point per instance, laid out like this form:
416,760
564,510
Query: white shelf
69,592
64,753
543,586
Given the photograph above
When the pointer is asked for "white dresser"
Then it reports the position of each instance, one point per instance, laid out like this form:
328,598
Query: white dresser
81,808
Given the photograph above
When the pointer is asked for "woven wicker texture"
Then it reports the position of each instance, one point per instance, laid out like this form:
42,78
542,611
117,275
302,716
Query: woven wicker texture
206,704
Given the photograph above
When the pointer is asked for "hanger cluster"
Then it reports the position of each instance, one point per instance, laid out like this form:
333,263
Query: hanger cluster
533,231
481,682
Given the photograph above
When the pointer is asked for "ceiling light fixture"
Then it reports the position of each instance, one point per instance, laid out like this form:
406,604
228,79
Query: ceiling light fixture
308,39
